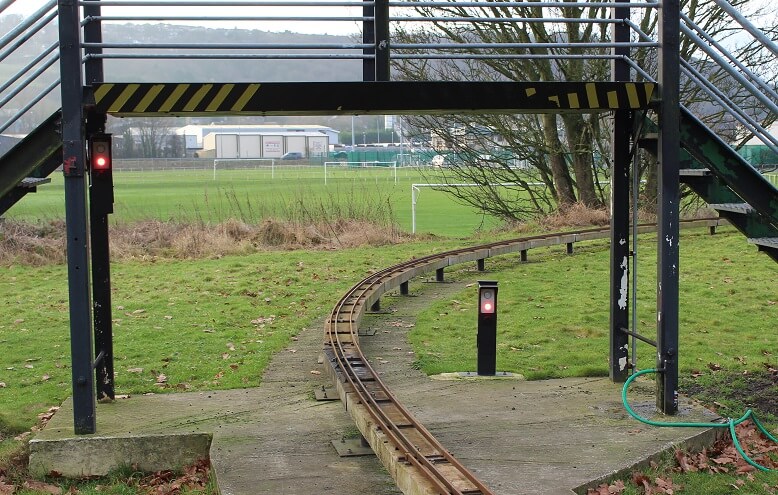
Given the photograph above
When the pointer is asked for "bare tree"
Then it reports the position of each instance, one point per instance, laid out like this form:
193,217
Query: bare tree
565,152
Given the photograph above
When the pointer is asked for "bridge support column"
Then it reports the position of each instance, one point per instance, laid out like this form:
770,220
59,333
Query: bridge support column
74,167
667,293
100,206
618,358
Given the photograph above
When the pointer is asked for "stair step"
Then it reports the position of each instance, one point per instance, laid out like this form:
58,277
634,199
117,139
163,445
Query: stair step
744,208
33,182
695,172
771,242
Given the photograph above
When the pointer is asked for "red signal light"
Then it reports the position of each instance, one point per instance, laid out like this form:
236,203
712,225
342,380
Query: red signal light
100,153
487,300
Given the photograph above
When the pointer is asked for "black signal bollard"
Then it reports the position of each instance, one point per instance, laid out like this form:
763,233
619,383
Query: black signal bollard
487,327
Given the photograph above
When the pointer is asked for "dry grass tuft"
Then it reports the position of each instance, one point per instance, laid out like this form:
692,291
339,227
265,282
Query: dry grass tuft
32,244
576,215
44,243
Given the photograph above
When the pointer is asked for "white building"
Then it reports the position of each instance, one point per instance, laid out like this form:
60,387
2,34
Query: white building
195,135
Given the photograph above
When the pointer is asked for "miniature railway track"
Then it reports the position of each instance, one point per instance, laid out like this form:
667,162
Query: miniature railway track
392,431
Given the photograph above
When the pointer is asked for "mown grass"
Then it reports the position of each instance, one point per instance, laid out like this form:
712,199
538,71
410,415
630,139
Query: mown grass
252,196
216,323
553,318
210,323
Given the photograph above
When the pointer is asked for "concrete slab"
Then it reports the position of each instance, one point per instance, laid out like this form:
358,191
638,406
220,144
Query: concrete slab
519,437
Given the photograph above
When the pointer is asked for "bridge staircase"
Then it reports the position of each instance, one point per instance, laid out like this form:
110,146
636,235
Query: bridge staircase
726,181
710,166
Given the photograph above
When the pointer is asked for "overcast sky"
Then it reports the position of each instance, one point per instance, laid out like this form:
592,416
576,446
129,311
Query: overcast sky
27,7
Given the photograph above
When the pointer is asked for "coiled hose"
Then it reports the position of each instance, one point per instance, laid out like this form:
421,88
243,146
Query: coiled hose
731,423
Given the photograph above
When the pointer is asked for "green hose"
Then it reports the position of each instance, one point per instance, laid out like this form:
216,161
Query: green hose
731,423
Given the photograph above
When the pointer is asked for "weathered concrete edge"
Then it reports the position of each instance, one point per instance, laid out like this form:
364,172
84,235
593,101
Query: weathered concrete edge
407,477
97,455
704,438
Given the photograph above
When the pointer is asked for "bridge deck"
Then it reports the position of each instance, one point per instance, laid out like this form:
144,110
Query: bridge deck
378,98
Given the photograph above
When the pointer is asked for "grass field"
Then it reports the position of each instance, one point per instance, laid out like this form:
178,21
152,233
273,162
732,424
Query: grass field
252,195
215,323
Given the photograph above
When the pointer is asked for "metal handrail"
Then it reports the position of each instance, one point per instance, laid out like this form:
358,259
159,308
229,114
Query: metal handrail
730,107
567,5
231,46
26,23
222,4
34,101
179,18
746,24
4,4
732,59
11,45
26,82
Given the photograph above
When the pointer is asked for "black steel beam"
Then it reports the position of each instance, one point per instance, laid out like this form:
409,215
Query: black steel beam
100,205
40,168
667,292
618,358
373,98
382,40
30,153
74,167
368,38
725,163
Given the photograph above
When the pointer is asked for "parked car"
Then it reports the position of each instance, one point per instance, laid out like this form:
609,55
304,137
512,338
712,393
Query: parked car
292,155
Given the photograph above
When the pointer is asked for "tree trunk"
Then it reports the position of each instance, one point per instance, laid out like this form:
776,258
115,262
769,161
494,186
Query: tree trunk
563,183
579,141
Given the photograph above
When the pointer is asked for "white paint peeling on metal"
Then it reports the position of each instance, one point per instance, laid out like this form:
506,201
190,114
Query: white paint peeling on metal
622,363
623,284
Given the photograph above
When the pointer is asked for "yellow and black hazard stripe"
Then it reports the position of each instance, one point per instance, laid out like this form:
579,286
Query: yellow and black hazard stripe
594,95
382,98
173,99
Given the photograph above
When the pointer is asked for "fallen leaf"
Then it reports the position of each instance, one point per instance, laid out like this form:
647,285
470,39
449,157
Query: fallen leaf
6,489
315,372
230,346
225,356
3,385
135,370
42,487
161,378
45,378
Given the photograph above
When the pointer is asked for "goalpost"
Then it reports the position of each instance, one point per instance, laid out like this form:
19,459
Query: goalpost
361,165
244,164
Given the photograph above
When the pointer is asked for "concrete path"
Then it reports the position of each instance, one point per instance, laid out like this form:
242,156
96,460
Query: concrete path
519,437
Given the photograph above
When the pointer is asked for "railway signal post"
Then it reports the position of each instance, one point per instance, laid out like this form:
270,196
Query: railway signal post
487,327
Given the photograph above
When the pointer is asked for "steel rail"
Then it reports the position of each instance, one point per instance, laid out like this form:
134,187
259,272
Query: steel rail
388,426
353,298
350,362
